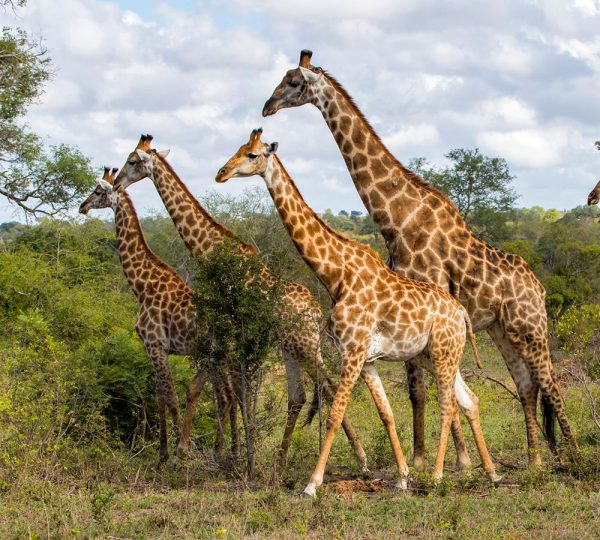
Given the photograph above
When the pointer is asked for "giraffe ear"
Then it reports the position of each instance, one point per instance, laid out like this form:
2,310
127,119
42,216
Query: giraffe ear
273,147
163,153
105,186
144,156
309,75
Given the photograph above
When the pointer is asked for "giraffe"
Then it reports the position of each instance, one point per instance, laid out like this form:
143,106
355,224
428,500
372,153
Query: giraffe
376,314
594,195
166,320
201,233
428,240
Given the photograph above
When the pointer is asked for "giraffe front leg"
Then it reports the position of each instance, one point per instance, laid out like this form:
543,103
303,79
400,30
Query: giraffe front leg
371,378
351,368
329,392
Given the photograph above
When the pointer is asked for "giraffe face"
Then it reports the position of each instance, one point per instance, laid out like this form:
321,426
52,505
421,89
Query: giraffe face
251,159
104,196
297,88
139,165
594,195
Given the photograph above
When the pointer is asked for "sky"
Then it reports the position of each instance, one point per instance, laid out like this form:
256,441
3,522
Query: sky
518,79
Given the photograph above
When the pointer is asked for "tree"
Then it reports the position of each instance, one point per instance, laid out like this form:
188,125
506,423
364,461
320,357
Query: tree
480,187
39,181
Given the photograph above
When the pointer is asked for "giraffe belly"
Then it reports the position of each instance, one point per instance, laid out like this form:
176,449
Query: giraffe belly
395,349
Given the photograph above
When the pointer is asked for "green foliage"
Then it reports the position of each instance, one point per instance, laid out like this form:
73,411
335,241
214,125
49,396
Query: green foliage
238,310
37,180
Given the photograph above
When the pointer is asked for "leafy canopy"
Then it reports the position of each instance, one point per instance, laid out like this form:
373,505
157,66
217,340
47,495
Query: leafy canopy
36,179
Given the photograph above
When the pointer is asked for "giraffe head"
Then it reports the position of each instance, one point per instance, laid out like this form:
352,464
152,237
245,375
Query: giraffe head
298,86
104,196
251,159
594,196
140,164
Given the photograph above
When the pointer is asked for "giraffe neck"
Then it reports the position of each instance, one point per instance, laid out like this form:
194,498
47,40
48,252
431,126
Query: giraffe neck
134,253
378,176
199,231
321,247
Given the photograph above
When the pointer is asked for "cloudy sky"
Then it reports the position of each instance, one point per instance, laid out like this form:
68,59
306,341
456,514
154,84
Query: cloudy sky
517,79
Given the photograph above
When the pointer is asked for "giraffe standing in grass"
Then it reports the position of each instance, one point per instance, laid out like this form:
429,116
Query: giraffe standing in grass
201,233
167,317
376,314
428,240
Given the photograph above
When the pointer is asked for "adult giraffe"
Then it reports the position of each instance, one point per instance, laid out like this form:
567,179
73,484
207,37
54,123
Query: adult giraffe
201,233
376,314
428,240
166,320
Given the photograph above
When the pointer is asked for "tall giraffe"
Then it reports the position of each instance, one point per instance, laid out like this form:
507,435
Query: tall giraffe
376,314
427,239
201,233
166,320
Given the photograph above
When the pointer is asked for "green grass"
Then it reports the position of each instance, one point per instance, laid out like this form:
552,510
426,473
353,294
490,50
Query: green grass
124,496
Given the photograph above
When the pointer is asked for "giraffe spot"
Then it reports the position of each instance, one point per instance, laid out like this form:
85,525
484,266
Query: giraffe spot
377,168
347,147
358,136
359,161
373,147
345,123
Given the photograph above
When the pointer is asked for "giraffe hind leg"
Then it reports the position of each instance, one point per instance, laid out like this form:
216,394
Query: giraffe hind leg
527,390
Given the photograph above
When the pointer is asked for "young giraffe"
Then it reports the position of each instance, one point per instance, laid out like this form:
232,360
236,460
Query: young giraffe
167,317
376,314
201,233
428,240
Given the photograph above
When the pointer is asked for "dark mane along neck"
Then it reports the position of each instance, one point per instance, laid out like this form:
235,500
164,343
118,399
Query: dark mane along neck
220,231
409,175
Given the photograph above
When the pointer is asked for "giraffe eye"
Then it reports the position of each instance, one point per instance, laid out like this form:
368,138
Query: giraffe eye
252,156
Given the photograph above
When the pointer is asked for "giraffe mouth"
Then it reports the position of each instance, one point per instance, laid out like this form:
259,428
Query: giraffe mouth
593,198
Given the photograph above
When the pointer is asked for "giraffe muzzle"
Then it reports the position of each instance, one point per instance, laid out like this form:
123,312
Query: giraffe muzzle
83,209
593,198
270,107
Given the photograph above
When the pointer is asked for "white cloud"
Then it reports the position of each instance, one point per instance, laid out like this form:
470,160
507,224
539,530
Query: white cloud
516,79
527,147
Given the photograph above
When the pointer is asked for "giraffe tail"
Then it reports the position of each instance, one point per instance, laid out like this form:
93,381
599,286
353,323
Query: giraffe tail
471,336
315,405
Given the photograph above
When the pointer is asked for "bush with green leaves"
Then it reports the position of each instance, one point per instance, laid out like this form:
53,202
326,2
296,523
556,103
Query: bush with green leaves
240,320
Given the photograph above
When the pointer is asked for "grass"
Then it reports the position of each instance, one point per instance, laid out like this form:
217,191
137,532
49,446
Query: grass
125,496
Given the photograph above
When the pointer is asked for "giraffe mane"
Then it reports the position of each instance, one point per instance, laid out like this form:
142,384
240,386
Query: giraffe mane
225,230
419,180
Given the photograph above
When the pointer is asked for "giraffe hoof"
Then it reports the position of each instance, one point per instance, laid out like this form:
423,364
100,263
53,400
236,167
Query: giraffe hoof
495,478
309,491
464,464
401,484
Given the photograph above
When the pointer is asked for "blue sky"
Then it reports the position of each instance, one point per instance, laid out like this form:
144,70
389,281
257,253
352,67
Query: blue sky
515,79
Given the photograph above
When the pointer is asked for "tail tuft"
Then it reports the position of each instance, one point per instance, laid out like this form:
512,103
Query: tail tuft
315,405
548,416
